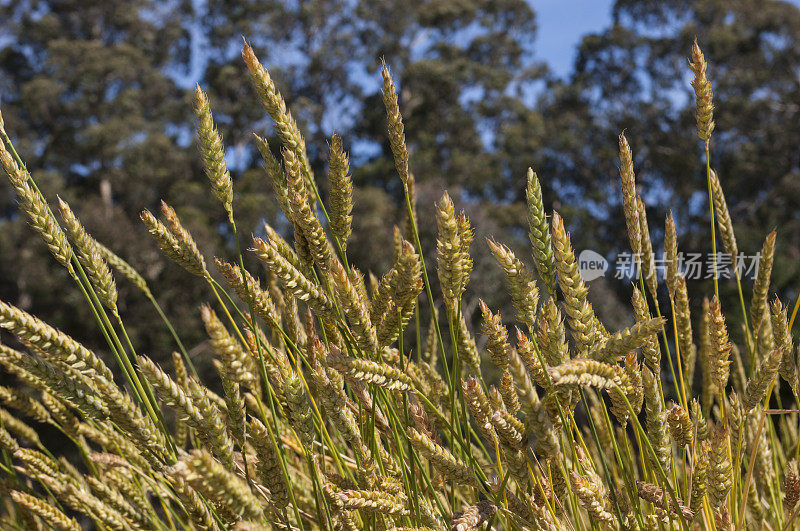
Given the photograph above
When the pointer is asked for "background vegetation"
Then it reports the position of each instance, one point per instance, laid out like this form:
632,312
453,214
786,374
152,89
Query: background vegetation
97,95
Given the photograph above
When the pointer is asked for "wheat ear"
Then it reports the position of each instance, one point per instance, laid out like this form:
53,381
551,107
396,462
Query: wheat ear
539,233
213,151
723,217
704,95
629,207
34,206
524,293
91,258
51,515
397,137
175,241
341,200
207,475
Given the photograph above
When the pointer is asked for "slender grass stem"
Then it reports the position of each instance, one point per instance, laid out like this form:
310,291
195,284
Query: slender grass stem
711,214
601,453
174,335
652,452
87,289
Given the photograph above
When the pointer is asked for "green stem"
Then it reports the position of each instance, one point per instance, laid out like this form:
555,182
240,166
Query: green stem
174,334
601,453
428,291
145,387
652,453
711,212
100,313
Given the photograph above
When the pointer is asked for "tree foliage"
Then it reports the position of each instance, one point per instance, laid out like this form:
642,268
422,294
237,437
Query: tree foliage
97,97
634,77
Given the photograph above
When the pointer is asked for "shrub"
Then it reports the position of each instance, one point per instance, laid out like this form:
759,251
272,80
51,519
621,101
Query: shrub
331,417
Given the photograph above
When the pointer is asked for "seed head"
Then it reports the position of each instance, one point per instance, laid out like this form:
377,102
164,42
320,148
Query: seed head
791,487
175,241
720,469
213,151
397,137
758,304
704,95
719,361
90,257
341,192
34,206
629,207
473,516
539,233
723,217
680,426
655,495
762,378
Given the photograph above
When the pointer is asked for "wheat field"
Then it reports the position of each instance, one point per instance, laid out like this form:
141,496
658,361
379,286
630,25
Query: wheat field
340,407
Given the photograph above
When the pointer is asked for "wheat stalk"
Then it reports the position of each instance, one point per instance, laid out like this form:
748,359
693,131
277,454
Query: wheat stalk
338,411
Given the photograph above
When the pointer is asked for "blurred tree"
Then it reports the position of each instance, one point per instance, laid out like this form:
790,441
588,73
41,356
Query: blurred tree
464,67
466,77
90,107
96,96
634,77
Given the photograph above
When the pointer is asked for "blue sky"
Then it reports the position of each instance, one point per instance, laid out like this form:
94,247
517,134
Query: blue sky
562,23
